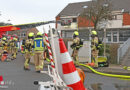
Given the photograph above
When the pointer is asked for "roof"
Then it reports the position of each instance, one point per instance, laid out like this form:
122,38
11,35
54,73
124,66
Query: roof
73,9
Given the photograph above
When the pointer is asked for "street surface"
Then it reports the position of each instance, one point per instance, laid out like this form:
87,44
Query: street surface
18,79
98,82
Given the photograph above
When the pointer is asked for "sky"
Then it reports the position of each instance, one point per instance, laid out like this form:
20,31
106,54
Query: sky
29,11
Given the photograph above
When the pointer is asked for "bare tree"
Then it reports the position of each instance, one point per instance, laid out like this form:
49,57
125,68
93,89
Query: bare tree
97,11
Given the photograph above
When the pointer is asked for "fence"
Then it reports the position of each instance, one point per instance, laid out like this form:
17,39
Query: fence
122,50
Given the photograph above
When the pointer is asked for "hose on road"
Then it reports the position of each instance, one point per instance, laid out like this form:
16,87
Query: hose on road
105,74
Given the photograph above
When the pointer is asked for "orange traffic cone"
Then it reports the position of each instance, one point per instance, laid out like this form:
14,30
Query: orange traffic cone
81,74
70,74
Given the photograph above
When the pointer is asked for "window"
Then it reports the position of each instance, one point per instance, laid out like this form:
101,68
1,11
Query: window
108,36
124,35
66,22
114,36
113,17
69,34
23,34
74,20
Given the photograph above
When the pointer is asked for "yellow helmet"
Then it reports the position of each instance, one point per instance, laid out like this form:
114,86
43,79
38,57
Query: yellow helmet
39,34
31,34
4,38
94,32
15,39
76,33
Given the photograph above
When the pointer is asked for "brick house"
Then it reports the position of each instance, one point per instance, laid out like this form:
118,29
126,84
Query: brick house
23,33
117,29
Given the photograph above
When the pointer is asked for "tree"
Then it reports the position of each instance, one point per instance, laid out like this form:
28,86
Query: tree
97,12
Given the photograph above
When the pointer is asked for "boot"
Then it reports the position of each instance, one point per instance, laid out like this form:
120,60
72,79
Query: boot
26,68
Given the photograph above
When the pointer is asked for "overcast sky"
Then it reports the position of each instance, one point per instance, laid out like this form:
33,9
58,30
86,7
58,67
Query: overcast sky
28,11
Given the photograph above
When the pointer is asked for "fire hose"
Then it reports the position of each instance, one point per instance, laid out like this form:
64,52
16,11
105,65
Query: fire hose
105,74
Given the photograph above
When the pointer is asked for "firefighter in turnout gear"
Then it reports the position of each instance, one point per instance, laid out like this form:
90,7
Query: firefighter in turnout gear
23,47
1,50
75,46
4,47
4,44
94,48
13,45
39,44
29,44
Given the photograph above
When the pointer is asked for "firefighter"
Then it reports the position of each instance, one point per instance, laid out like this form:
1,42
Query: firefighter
4,45
29,43
23,47
39,44
13,45
94,48
100,48
1,50
9,49
75,46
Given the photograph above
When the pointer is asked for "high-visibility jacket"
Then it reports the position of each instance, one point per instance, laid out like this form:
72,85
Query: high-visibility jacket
38,44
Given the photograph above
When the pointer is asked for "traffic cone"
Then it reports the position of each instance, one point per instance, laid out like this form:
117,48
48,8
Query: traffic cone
1,80
70,74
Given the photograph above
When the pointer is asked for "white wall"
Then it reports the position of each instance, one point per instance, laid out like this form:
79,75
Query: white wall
114,24
72,26
84,52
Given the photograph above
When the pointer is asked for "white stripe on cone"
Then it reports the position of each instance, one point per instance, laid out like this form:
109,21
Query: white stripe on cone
74,78
65,58
2,82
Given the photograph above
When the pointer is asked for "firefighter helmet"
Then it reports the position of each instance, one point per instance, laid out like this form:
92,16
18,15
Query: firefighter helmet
76,33
31,34
39,34
94,32
4,38
15,39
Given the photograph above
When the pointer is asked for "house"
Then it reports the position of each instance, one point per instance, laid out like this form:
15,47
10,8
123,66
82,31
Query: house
117,29
23,33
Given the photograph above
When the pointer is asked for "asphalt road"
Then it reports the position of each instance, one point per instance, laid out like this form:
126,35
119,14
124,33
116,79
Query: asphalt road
18,79
98,82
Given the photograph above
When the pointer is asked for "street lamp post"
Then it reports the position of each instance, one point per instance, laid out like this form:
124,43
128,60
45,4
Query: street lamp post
104,28
104,42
